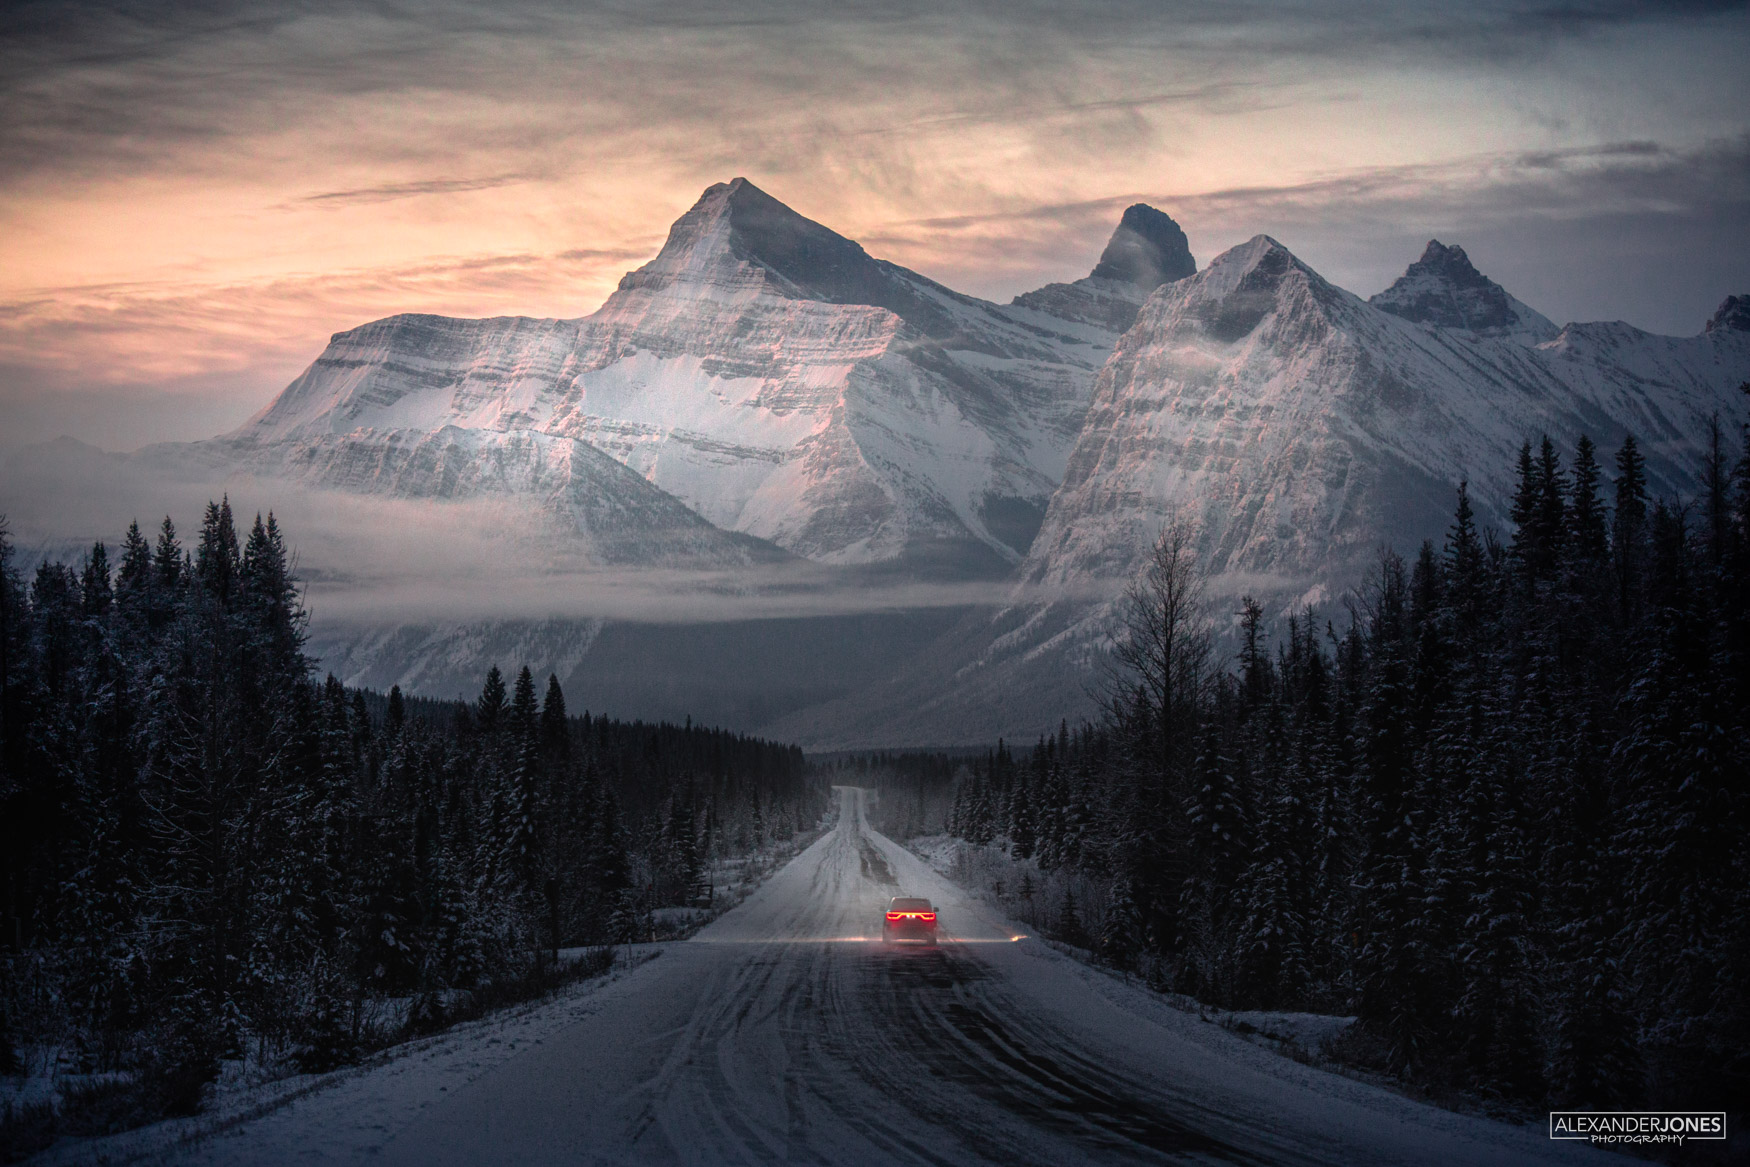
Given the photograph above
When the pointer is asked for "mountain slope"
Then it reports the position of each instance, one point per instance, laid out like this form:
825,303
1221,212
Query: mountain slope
1301,429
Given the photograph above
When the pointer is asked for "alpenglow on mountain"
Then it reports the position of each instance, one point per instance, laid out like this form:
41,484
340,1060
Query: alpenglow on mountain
765,392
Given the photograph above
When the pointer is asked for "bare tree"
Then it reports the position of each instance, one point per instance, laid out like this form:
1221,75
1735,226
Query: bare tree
1163,650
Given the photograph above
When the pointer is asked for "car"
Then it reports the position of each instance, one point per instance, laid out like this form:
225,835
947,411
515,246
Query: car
909,918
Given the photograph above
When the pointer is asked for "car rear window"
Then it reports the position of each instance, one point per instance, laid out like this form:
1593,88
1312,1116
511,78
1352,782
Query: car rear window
904,905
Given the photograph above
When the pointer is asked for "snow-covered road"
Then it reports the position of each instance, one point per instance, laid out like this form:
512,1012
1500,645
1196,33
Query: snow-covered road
782,1033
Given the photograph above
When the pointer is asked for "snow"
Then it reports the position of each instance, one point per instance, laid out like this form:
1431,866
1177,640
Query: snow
781,1032
1308,1032
992,871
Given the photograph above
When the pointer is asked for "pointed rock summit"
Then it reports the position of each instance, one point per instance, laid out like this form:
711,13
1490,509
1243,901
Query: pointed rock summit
1146,251
1244,284
736,223
1445,289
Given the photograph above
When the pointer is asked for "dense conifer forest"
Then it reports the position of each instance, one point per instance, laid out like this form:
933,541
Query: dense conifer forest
209,853
1499,808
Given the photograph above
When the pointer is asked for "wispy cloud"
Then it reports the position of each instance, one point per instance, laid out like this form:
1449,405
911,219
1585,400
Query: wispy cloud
388,191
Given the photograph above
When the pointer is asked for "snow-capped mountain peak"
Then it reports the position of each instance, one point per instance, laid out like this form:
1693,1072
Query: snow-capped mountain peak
738,236
1445,289
764,388
1241,286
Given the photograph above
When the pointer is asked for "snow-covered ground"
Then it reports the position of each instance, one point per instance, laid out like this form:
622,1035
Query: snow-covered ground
995,876
249,1088
783,1032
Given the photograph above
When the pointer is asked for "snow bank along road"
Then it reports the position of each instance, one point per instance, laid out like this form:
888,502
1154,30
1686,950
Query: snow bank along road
784,1033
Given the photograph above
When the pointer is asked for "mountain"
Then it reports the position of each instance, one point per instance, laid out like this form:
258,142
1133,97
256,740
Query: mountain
1147,250
762,392
1445,289
1301,428
763,370
767,407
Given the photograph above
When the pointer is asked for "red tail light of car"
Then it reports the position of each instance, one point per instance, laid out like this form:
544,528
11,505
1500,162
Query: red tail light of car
911,915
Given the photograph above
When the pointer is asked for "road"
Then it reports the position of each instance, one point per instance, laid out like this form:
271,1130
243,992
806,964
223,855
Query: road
783,1034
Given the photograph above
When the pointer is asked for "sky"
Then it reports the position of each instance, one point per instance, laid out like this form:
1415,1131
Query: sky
194,194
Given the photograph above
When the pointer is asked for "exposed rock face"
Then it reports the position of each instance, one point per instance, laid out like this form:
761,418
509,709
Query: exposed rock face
1444,289
1733,315
1147,250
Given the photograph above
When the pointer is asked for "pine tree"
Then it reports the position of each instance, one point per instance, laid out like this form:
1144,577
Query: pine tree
1588,532
523,797
95,594
270,599
1069,919
1255,678
555,735
1219,843
167,558
1497,1007
1272,953
1021,819
1552,505
1716,496
1121,936
219,561
1526,495
134,581
490,709
1628,532
1392,958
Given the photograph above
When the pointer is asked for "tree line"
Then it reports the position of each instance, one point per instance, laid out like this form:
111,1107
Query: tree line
207,852
1500,813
